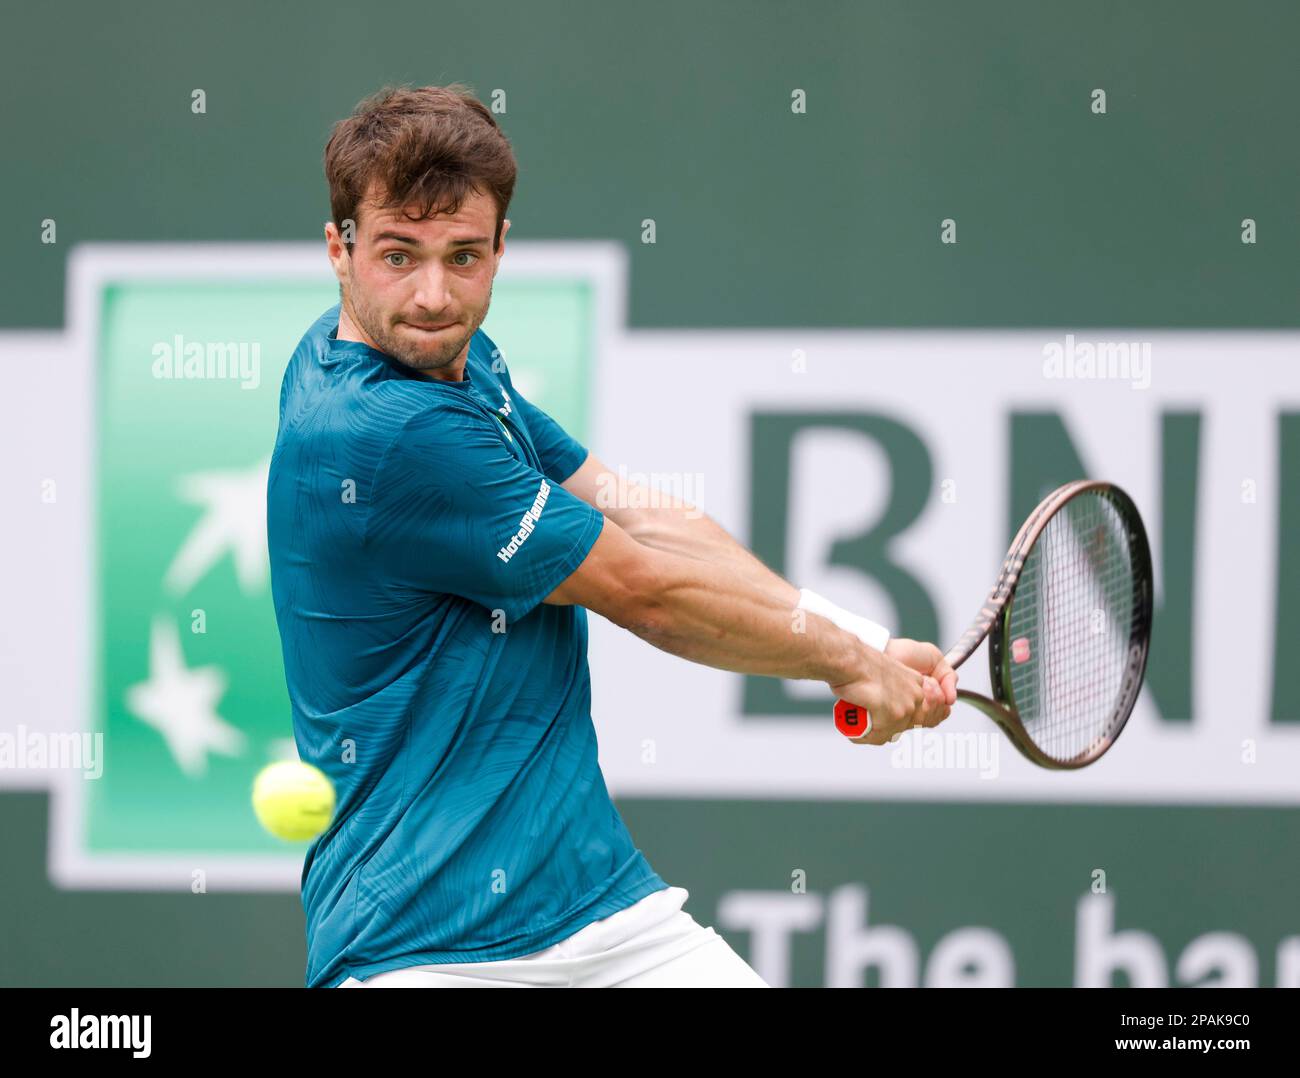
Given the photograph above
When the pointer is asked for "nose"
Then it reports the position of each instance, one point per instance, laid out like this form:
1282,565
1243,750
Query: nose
433,292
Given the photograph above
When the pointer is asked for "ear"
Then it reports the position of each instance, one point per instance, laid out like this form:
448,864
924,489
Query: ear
334,242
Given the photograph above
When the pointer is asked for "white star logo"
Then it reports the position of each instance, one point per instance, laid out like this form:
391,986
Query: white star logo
181,703
234,516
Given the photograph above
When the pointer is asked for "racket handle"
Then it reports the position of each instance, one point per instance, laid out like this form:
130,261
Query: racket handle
852,720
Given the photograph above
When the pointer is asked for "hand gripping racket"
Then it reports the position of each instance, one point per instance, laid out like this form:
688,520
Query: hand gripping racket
1069,627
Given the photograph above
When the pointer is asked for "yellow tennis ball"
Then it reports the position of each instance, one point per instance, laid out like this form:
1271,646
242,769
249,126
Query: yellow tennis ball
293,800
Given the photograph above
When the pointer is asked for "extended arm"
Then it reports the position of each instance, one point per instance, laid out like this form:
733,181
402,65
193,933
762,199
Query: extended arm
668,525
713,615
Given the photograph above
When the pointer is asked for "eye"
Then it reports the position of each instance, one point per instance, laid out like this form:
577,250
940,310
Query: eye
467,254
394,254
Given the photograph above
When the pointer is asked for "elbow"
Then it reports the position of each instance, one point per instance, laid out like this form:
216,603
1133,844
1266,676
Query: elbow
644,610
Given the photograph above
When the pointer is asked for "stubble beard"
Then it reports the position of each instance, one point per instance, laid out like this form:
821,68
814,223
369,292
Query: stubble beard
399,342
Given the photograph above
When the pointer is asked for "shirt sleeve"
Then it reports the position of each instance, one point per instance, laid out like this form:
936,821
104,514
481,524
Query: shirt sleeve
453,510
559,452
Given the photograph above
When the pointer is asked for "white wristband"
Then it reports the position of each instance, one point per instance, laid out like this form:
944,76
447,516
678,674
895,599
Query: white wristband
871,634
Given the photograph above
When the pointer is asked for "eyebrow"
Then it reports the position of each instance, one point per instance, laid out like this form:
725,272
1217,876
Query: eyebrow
411,241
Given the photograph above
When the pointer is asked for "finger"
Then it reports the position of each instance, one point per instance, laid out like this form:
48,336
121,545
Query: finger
949,683
935,715
916,675
933,691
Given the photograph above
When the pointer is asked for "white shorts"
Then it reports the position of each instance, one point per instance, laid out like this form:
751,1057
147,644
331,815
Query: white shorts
653,943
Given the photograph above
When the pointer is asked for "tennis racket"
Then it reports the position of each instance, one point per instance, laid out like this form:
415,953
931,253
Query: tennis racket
1069,627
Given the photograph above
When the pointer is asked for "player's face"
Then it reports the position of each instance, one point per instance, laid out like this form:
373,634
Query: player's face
418,290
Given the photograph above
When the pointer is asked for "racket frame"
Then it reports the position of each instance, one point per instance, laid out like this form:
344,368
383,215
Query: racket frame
993,621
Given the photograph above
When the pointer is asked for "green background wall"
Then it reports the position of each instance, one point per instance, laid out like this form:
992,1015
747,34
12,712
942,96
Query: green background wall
681,112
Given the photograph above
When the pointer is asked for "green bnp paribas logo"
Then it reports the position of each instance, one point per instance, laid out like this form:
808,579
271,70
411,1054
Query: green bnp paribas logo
191,692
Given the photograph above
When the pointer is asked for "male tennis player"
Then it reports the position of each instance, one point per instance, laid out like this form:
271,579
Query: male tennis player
435,543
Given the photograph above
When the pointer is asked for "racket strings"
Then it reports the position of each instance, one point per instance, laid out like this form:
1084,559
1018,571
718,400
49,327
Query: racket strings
1070,625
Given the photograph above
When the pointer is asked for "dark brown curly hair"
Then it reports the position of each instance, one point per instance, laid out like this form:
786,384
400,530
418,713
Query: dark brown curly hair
430,146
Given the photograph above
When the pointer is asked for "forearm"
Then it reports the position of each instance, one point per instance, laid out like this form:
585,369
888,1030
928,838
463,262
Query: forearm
695,535
676,529
662,521
667,524
709,613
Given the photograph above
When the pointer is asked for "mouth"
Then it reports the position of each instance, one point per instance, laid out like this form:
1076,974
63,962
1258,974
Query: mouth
429,329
